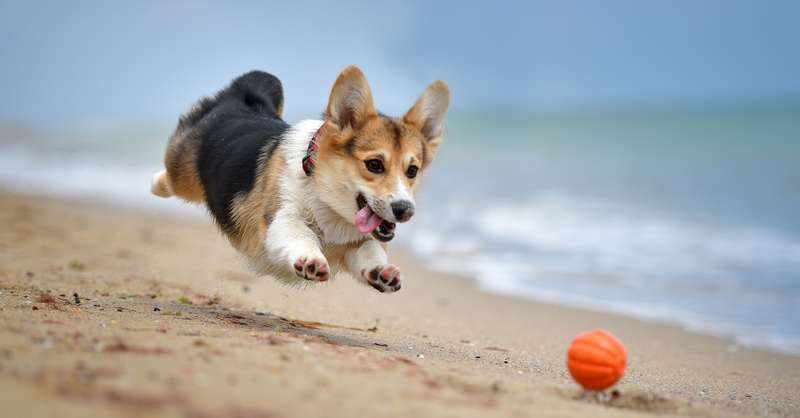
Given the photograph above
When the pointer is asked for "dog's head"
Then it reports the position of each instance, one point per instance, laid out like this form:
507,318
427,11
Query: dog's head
368,164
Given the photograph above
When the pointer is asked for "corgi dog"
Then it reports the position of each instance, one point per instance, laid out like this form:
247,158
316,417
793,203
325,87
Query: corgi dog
304,202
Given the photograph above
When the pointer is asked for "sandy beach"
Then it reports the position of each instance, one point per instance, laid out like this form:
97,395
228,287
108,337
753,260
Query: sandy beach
111,312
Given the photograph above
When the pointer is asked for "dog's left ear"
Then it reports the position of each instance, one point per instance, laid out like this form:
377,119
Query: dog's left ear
350,103
428,115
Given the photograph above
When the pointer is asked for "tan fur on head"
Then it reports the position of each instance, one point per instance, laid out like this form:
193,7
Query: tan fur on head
355,133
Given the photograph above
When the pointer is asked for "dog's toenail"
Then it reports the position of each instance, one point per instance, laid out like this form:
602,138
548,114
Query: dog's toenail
311,268
394,282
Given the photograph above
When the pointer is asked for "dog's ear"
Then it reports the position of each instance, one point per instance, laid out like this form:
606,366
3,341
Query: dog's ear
350,103
428,114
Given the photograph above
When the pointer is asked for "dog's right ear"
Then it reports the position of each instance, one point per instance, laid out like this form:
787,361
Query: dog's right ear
350,103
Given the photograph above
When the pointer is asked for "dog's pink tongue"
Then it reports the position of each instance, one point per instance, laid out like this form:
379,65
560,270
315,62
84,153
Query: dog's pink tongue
366,220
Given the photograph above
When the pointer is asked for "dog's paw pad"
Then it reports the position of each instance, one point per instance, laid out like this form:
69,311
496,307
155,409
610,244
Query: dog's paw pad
313,269
383,278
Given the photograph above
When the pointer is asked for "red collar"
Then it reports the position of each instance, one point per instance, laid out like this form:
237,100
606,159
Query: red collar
311,154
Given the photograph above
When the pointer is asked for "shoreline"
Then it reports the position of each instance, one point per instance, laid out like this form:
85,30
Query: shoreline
655,319
455,344
198,213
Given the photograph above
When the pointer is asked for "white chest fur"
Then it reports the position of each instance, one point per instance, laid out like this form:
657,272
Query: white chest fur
299,195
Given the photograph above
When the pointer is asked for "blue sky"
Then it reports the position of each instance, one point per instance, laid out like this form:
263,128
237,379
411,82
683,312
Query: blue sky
99,62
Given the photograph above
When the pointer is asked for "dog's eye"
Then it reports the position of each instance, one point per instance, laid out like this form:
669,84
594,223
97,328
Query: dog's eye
412,171
374,165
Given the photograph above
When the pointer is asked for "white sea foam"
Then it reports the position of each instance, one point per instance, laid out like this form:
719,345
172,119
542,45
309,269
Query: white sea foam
101,177
615,238
732,281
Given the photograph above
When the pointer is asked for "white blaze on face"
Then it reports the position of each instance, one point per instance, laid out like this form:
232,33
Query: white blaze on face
383,205
402,191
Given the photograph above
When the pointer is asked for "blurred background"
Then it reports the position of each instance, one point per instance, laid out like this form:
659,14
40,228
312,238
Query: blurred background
639,157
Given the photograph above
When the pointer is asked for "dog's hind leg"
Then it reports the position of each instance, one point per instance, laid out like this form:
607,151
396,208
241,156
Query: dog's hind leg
160,185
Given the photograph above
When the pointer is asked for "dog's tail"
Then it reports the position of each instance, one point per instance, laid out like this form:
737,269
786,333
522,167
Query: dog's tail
160,186
258,91
261,92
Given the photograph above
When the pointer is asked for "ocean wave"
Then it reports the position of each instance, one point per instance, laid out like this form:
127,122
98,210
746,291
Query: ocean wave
101,177
735,281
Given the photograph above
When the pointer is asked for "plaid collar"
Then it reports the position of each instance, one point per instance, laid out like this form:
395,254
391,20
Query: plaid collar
311,154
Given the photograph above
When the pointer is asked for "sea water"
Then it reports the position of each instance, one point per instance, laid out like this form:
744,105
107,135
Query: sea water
682,215
685,215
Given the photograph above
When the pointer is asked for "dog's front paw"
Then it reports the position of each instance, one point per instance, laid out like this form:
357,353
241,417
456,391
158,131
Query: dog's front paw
383,278
314,269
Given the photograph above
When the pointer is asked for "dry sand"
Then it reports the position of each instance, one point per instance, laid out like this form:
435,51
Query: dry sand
110,312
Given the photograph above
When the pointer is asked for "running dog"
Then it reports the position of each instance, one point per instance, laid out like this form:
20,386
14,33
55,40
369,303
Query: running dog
303,202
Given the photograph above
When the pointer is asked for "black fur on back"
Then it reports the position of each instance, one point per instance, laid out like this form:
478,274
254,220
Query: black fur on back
235,127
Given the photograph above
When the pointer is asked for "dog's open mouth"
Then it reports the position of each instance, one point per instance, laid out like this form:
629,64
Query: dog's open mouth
368,221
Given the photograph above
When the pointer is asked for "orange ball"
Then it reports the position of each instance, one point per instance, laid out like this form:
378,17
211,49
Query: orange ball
596,359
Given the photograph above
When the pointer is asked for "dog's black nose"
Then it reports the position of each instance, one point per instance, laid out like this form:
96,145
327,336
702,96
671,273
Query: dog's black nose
402,210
